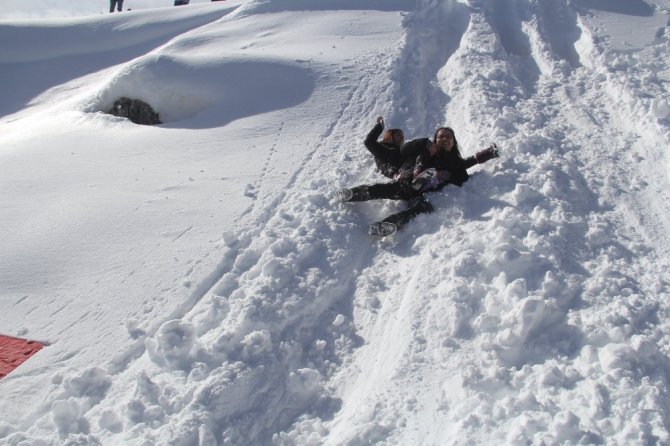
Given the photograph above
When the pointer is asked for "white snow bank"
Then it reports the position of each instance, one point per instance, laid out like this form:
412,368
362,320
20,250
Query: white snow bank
180,88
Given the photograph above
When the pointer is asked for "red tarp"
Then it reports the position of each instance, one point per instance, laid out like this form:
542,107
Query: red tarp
14,352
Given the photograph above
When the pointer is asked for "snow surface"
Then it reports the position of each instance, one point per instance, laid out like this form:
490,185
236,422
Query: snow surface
197,284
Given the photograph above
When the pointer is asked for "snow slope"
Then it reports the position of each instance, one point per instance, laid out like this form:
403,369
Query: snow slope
197,284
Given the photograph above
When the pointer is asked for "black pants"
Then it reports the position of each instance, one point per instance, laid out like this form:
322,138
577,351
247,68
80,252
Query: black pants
416,202
390,191
415,206
117,3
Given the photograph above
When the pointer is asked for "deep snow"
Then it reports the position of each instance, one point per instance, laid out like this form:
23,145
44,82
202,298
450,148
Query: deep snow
197,284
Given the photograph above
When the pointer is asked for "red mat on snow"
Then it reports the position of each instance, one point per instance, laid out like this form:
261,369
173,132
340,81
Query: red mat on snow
14,352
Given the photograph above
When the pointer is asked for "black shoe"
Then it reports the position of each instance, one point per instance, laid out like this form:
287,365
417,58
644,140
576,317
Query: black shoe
343,195
494,150
358,193
382,228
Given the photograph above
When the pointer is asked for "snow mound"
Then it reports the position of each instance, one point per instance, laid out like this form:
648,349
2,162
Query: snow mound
180,88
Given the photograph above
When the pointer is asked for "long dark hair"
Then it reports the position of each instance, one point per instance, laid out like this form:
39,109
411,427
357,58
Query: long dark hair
450,130
390,133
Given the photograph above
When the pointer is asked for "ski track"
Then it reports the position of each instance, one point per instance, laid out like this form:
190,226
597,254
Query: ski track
263,258
508,313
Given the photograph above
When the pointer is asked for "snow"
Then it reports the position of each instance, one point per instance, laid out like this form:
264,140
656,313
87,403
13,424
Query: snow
197,284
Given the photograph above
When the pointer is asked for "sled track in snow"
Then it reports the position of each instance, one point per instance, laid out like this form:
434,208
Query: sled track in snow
268,222
533,301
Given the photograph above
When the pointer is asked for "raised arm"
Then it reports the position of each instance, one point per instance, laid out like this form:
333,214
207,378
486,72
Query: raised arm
371,142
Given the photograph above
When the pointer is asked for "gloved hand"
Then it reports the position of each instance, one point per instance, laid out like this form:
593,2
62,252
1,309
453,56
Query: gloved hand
489,153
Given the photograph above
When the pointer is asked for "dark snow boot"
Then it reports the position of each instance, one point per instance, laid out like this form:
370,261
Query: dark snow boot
395,222
382,228
487,154
358,193
343,195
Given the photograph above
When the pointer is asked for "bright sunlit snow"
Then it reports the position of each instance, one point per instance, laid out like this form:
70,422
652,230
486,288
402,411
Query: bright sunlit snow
197,284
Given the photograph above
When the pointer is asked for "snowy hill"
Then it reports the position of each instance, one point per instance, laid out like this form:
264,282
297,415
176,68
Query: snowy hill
197,284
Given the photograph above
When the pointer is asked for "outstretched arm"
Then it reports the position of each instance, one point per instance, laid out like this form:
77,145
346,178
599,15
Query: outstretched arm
482,156
469,162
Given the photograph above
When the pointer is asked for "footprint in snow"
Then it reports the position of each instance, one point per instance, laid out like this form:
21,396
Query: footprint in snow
250,191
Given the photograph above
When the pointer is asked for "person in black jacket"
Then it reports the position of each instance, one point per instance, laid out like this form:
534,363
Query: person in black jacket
388,157
438,163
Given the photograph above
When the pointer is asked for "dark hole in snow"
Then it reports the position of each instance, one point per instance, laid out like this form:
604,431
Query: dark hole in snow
136,110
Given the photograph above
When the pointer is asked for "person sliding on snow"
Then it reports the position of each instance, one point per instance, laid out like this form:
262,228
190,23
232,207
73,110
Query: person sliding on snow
389,159
438,163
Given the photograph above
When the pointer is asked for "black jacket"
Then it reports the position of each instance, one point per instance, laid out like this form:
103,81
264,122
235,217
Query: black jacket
451,161
389,158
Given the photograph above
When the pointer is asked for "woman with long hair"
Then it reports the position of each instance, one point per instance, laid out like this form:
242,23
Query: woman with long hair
388,157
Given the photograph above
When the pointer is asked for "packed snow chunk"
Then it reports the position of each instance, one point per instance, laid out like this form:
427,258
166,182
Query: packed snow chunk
305,432
111,421
526,316
645,348
146,388
92,384
339,320
661,108
283,247
617,356
465,264
304,385
67,417
279,272
139,412
172,345
179,88
149,403
566,428
199,372
256,345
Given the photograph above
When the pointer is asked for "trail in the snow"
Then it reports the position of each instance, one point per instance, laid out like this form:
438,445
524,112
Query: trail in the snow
510,282
433,33
240,350
387,308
